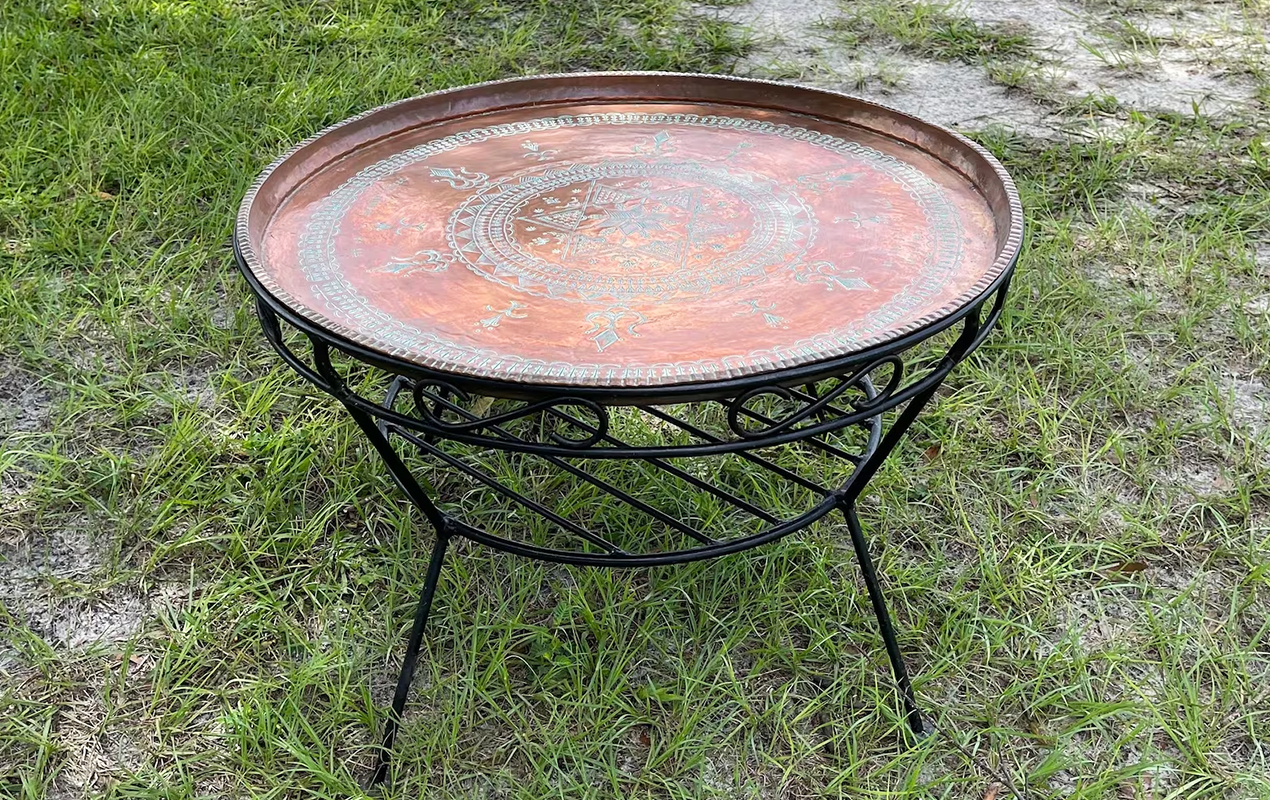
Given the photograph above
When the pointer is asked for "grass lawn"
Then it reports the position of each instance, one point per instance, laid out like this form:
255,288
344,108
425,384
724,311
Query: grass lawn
206,576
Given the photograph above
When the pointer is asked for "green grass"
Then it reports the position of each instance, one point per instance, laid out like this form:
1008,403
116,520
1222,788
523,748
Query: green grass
1078,569
930,29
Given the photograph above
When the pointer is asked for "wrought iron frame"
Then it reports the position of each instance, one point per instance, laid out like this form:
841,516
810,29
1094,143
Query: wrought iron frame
425,410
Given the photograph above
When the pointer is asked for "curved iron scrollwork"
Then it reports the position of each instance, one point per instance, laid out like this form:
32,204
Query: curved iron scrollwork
870,397
574,424
432,399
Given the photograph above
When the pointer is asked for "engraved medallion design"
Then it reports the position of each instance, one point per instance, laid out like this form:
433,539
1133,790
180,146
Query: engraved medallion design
623,230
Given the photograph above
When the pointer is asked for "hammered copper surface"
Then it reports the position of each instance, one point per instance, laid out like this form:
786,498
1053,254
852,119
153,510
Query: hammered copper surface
626,243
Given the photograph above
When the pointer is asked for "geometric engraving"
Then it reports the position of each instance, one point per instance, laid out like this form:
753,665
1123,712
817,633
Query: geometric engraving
604,325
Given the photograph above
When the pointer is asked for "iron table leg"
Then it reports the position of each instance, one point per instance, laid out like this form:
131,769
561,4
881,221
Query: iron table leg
911,712
378,437
411,658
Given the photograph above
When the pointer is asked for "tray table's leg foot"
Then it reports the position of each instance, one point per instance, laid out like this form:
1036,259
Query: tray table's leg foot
411,658
911,712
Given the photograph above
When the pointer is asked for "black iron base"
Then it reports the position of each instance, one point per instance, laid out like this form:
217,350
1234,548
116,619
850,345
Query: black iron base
875,451
838,414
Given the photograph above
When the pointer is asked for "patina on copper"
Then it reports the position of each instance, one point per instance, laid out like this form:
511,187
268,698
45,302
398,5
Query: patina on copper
629,229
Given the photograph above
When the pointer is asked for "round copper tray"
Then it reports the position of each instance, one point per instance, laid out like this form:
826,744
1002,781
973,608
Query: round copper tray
628,229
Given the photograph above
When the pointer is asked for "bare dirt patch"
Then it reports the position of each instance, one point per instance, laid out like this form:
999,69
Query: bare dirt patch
47,582
102,750
25,406
1177,60
1249,403
194,384
794,41
58,583
1168,63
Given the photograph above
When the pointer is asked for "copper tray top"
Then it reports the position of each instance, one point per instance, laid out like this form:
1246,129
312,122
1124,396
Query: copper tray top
628,229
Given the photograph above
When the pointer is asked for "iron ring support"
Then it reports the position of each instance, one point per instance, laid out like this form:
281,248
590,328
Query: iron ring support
329,381
682,393
779,530
469,432
640,453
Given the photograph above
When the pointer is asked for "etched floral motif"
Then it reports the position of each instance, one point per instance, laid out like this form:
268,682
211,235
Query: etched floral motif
537,152
604,325
829,274
820,182
421,261
514,311
736,151
657,144
753,307
461,179
400,226
858,221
